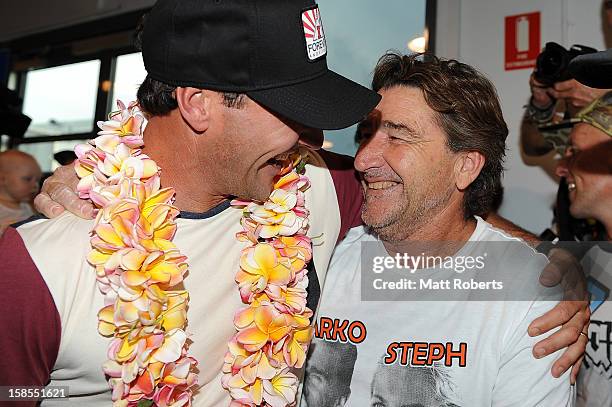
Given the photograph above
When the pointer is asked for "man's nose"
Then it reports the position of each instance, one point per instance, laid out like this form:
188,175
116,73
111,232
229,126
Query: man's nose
370,153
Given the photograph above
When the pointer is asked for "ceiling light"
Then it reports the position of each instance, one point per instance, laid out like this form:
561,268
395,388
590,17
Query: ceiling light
417,44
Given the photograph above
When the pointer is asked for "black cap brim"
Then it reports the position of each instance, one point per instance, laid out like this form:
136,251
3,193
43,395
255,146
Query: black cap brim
594,70
327,102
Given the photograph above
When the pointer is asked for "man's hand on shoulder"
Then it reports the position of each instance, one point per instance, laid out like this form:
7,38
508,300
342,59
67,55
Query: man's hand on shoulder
59,194
572,314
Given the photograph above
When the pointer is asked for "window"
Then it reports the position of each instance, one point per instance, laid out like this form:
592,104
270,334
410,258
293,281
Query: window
43,152
12,81
129,74
4,140
61,100
66,77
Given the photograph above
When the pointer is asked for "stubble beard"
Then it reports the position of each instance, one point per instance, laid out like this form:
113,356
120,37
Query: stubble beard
402,221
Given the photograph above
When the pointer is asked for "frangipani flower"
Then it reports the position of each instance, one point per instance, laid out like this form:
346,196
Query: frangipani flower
262,266
278,391
281,201
288,299
281,390
173,396
292,182
176,314
146,381
142,224
179,373
295,248
283,214
172,347
260,326
85,166
139,167
295,346
273,223
123,127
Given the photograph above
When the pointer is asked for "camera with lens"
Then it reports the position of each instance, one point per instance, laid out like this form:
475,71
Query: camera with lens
552,63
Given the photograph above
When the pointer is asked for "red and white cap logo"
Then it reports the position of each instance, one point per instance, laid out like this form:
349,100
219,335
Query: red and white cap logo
316,46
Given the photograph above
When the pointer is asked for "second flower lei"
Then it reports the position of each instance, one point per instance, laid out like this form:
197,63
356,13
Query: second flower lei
138,267
273,329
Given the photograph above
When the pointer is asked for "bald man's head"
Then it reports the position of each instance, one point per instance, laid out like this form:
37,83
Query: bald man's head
19,177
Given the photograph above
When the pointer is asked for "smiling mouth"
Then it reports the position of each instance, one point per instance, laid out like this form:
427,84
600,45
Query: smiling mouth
283,159
379,185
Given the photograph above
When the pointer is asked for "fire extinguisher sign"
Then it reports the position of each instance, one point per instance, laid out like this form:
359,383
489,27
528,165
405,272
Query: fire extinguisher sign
522,40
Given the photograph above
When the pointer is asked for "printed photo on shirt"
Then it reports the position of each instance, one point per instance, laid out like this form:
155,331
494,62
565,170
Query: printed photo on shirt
329,370
397,385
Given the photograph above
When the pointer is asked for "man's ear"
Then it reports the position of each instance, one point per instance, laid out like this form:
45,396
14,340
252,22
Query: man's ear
195,105
467,168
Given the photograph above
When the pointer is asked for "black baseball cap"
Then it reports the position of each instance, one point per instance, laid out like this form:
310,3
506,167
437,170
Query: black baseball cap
272,50
594,70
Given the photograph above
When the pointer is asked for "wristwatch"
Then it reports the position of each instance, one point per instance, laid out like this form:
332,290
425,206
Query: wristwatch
538,115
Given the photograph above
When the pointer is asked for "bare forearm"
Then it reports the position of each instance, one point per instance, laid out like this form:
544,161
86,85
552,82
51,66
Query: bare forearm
532,141
513,229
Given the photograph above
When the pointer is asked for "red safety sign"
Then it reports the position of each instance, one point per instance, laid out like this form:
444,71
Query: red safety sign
522,40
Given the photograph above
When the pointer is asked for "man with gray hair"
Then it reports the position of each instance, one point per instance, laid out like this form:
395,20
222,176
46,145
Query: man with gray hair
429,170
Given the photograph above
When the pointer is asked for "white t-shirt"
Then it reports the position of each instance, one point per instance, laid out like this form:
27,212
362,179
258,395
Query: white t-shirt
594,387
435,352
55,250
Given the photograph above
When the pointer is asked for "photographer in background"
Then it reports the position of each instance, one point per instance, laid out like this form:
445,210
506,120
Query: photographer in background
587,165
556,96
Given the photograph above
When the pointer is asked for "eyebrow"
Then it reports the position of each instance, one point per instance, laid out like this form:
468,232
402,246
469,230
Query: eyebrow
399,126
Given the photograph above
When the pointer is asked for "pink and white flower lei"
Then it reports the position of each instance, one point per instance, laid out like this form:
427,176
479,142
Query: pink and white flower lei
137,266
273,329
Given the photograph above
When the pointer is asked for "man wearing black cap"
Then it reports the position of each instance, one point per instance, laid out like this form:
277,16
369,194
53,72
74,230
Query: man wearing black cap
232,88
